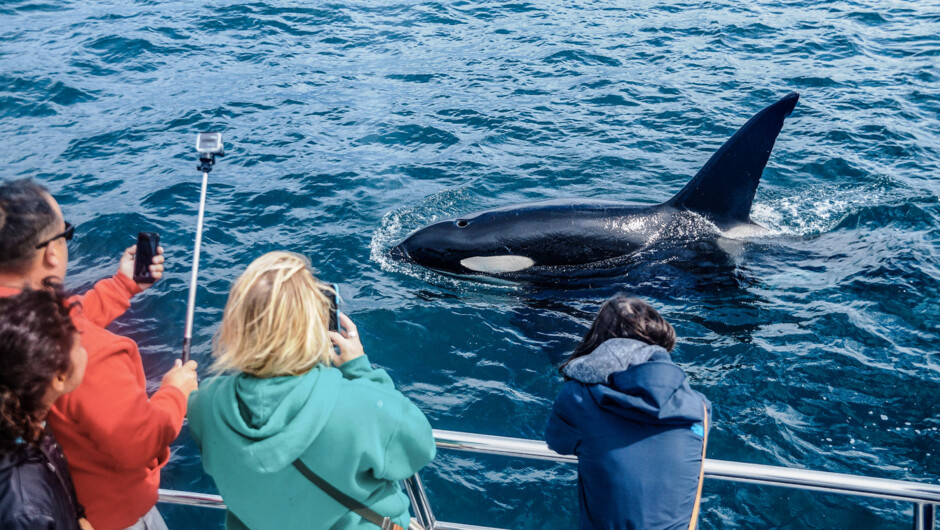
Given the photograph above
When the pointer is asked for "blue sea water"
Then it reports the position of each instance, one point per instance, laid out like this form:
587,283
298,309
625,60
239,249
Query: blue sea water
348,125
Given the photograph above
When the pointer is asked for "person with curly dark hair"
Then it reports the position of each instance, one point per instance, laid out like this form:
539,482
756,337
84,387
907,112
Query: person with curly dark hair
43,359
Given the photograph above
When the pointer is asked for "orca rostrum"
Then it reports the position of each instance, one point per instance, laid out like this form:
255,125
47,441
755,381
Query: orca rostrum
559,235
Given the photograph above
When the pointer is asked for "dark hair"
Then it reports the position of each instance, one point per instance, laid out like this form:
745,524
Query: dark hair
36,339
25,215
624,317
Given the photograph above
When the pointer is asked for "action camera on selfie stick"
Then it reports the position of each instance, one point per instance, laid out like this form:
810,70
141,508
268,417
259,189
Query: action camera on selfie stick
209,145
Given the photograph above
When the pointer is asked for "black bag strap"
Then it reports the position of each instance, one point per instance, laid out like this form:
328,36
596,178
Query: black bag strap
385,523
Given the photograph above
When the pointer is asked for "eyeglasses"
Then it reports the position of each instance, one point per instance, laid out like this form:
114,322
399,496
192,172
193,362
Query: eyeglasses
68,234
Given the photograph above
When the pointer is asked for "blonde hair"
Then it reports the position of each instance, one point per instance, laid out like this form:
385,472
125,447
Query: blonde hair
275,320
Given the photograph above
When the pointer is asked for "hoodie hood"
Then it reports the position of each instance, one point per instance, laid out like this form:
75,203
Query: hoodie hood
271,422
614,355
637,381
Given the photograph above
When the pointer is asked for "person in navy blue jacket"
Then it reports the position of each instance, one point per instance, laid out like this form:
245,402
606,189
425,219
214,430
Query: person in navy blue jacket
638,429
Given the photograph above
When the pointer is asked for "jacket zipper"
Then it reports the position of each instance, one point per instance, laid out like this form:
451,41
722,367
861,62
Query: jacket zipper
62,483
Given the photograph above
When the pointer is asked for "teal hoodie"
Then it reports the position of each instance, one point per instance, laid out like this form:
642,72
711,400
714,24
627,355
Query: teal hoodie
348,424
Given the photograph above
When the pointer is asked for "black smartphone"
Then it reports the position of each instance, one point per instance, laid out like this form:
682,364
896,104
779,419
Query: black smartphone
334,307
147,243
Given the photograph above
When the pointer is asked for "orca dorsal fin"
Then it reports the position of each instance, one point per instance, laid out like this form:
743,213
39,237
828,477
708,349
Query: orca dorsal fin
725,186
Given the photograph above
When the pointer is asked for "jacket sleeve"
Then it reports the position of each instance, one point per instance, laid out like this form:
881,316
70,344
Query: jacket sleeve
113,411
411,446
360,367
28,521
562,434
108,299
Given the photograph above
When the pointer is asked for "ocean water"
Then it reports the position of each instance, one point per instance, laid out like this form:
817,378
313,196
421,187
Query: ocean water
348,125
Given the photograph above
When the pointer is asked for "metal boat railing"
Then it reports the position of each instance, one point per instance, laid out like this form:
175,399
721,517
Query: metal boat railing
923,497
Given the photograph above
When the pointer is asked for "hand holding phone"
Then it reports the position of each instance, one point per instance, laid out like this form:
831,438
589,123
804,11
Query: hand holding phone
347,341
147,243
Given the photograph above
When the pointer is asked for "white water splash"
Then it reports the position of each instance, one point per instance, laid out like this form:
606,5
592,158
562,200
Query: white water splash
815,211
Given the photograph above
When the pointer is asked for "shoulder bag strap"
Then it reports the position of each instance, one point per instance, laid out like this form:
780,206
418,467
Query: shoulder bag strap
701,473
385,523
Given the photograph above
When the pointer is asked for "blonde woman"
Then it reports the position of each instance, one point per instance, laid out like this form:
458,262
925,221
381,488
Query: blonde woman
286,405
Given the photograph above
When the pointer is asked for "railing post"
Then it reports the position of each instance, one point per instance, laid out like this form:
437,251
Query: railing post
419,502
924,516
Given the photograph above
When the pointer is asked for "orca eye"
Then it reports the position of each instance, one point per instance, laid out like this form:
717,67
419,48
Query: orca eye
461,223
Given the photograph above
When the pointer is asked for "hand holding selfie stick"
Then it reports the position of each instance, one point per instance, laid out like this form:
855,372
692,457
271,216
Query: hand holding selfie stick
209,146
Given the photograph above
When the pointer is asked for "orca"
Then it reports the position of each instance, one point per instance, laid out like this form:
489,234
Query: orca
557,237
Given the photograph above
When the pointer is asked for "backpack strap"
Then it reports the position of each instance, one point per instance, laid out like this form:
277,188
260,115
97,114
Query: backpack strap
701,473
385,523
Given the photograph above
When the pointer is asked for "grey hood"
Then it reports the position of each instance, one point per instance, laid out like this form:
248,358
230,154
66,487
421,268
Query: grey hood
614,355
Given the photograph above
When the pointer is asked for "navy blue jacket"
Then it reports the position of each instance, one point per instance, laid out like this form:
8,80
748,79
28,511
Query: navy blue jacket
629,415
36,491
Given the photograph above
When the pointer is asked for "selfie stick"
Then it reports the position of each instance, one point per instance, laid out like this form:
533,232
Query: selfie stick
206,160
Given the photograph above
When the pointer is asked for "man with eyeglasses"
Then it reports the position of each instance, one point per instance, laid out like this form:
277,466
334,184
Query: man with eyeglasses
115,438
